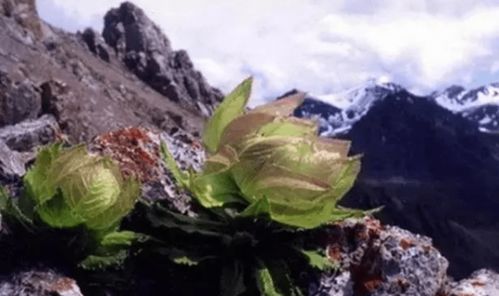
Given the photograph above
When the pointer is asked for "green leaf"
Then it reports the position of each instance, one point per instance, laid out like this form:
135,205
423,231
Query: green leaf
215,189
346,177
112,249
244,126
273,279
129,193
317,260
232,106
181,177
291,127
181,257
38,185
162,217
4,199
257,208
121,239
221,161
92,189
184,260
283,107
57,213
265,282
232,280
96,262
9,208
341,213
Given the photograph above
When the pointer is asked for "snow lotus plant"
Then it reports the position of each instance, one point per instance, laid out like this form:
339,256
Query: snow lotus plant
271,163
69,188
268,181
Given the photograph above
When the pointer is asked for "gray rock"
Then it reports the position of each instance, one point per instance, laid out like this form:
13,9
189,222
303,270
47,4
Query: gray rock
19,100
27,135
148,53
380,261
11,164
481,283
95,44
337,284
39,283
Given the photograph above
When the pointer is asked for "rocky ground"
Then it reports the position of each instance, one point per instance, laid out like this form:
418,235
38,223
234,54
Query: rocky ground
123,91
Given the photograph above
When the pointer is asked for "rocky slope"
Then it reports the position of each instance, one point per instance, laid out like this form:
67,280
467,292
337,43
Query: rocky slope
91,86
87,87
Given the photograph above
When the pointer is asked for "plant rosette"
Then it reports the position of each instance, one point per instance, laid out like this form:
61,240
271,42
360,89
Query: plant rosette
267,181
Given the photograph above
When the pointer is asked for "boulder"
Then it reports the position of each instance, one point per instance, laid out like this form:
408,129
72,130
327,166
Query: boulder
380,261
481,283
95,43
39,283
19,100
11,164
29,134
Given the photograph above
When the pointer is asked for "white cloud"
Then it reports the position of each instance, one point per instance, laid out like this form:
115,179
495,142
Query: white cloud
318,45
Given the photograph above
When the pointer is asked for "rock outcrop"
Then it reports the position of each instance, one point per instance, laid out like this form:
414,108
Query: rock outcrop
481,283
380,261
18,145
88,88
19,100
39,283
147,52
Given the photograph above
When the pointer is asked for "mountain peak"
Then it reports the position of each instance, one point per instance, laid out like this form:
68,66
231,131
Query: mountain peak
337,112
147,52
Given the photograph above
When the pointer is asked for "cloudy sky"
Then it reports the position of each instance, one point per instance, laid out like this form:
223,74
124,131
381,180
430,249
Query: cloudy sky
320,46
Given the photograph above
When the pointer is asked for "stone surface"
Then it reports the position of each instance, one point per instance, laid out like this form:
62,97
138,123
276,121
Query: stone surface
95,44
11,164
380,261
481,283
147,52
29,134
39,283
19,100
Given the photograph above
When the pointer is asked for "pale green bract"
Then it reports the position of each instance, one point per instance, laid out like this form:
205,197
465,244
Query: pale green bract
70,187
273,163
232,106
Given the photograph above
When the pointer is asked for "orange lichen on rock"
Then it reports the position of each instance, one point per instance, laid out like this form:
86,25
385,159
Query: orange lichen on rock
136,153
406,244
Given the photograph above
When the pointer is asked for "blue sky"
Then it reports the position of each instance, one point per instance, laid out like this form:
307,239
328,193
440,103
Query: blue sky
320,46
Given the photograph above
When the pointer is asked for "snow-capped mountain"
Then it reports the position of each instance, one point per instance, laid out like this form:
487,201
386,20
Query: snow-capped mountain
338,112
480,105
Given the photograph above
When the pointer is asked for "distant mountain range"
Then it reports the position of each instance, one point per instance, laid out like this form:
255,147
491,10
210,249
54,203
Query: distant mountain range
339,111
432,161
